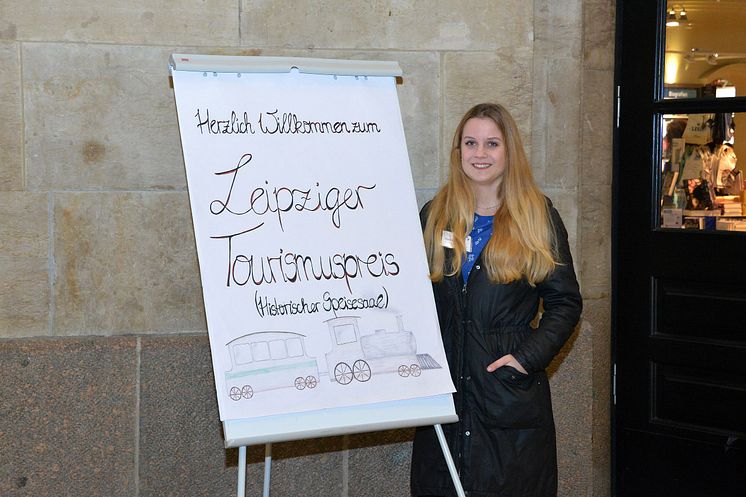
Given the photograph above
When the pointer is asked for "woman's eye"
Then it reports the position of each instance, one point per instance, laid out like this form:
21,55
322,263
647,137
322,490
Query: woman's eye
469,143
493,144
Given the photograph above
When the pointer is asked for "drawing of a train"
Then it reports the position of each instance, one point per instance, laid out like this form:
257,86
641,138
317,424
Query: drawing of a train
268,360
357,357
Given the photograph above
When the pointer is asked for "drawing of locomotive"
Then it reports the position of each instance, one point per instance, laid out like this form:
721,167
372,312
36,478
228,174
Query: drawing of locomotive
357,357
268,360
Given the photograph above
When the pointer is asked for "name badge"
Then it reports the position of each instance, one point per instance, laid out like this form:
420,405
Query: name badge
446,239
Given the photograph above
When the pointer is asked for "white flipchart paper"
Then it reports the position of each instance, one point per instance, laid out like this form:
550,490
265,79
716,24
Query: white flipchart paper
312,263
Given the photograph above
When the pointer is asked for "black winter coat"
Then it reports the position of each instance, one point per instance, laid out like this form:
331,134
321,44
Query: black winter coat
504,442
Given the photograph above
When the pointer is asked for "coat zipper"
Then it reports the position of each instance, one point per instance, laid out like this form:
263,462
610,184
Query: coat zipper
462,360
460,438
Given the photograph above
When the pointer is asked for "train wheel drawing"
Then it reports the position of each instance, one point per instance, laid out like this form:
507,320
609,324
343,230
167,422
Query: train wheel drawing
311,381
415,369
404,370
235,393
247,392
300,383
361,370
343,373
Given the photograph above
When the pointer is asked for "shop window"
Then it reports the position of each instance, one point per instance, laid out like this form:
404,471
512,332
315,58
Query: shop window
701,179
701,185
705,49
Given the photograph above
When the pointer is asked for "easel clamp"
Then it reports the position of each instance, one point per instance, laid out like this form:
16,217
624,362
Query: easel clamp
261,64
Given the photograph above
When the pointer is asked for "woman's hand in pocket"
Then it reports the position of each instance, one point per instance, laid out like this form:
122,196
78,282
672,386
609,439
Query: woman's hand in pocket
506,360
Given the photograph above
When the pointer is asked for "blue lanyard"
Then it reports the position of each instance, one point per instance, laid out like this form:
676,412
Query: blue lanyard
480,235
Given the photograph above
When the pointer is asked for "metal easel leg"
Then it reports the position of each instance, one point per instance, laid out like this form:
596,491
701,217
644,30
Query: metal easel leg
449,460
267,467
241,492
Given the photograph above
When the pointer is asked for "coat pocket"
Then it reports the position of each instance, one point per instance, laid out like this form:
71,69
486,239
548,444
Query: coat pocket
514,399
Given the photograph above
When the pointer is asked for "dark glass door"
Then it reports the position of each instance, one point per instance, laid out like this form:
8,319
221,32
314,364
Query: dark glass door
679,263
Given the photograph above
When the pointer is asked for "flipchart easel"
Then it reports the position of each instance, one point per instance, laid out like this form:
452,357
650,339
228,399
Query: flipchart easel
419,411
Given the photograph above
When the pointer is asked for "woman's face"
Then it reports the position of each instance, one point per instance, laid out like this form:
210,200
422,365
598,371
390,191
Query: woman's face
483,152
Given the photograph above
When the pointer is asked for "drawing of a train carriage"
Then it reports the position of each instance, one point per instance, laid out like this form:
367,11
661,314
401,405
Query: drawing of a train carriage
358,357
268,360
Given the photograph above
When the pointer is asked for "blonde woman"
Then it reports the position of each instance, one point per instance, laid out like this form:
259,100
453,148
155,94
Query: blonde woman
497,251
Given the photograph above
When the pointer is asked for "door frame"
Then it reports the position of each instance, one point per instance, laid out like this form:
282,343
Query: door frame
638,89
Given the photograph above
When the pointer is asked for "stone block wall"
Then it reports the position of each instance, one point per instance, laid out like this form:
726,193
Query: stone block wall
107,384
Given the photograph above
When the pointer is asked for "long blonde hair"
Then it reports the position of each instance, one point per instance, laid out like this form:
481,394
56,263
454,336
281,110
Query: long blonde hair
521,245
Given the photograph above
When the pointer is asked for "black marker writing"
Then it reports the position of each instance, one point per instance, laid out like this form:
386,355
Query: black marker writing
231,126
289,123
281,200
265,306
270,306
345,303
291,267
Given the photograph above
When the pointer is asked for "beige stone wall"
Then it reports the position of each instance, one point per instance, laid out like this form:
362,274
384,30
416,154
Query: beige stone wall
107,386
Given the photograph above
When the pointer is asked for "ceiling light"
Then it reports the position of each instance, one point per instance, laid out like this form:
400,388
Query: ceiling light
677,16
671,20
